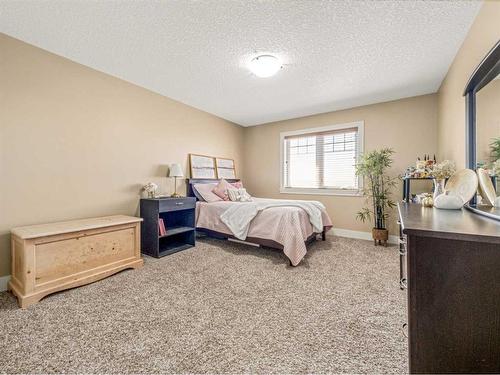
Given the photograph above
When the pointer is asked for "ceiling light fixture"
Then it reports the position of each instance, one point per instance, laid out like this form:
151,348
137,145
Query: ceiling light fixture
265,66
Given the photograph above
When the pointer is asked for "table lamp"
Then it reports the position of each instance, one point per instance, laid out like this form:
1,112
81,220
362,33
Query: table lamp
175,171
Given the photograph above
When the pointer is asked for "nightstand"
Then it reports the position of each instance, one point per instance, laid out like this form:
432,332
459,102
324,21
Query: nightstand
178,215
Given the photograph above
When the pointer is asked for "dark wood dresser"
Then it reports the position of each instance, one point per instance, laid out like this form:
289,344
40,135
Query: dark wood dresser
452,273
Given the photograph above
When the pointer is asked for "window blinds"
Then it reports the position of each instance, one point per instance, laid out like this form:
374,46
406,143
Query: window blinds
321,160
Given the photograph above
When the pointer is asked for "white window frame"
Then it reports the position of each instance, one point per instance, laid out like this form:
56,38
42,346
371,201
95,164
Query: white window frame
360,125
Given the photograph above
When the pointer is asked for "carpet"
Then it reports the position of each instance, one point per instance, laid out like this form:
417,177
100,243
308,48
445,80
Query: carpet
221,307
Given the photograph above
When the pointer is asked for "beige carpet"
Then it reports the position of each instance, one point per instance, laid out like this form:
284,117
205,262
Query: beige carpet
220,308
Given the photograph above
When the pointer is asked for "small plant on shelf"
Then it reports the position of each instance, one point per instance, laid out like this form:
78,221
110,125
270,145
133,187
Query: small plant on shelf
373,167
151,189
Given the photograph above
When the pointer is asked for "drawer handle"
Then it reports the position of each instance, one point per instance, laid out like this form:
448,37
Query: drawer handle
404,328
403,284
402,245
179,203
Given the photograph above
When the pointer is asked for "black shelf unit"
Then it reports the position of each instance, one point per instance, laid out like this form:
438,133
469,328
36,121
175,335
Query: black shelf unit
178,214
407,187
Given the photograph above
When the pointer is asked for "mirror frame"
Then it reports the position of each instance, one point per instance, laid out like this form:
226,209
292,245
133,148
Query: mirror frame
485,72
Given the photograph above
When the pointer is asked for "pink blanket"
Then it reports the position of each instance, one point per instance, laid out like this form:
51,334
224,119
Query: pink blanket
288,226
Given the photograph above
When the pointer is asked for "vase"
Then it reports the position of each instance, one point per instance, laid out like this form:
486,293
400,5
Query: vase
438,187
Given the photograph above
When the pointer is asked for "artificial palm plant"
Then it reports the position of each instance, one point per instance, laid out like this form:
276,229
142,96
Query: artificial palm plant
373,167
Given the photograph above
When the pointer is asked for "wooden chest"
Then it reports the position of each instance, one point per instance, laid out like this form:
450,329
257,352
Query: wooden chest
52,257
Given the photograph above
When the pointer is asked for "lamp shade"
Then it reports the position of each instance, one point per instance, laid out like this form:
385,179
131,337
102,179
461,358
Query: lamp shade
175,170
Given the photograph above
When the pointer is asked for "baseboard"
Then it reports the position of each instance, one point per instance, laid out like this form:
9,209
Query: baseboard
3,283
358,235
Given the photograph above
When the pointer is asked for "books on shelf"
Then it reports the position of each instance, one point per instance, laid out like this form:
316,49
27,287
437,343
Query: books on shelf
161,227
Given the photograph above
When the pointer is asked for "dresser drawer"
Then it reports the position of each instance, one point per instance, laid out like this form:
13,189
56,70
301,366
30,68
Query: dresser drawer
177,204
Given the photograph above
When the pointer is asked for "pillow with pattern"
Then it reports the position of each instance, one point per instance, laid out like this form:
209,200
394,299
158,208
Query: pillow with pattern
239,195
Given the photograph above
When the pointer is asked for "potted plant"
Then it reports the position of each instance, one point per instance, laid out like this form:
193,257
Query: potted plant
373,168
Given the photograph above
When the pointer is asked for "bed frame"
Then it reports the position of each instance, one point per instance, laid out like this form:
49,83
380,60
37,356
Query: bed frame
224,236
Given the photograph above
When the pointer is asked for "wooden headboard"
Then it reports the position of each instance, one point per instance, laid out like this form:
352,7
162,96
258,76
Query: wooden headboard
191,181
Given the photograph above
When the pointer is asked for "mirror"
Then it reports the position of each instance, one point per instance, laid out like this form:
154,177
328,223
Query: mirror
483,133
488,127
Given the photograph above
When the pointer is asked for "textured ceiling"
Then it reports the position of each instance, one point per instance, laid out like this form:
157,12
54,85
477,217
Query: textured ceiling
337,54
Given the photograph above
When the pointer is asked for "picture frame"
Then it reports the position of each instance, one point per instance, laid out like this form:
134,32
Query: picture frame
202,166
225,168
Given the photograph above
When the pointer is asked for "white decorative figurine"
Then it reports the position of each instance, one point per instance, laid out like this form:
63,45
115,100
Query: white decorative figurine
449,202
460,189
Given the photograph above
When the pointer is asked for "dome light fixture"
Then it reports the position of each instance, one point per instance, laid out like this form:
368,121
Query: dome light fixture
265,66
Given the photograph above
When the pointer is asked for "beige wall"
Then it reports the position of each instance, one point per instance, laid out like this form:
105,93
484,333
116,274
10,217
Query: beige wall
77,143
407,125
484,33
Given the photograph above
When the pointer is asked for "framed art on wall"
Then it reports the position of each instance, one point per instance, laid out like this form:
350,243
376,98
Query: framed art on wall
202,166
225,168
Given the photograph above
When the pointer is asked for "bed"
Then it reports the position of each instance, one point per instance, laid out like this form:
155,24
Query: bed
282,227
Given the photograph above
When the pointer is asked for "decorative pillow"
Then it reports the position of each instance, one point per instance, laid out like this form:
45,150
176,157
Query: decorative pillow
221,189
239,195
205,190
237,184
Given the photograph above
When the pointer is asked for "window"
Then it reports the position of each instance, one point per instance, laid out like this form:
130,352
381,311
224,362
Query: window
321,160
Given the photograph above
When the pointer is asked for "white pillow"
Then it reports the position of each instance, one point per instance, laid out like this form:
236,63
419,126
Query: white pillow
205,191
239,195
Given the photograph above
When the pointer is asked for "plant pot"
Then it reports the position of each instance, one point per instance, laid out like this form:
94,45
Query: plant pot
380,236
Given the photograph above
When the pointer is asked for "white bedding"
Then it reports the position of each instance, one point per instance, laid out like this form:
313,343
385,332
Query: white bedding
238,216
